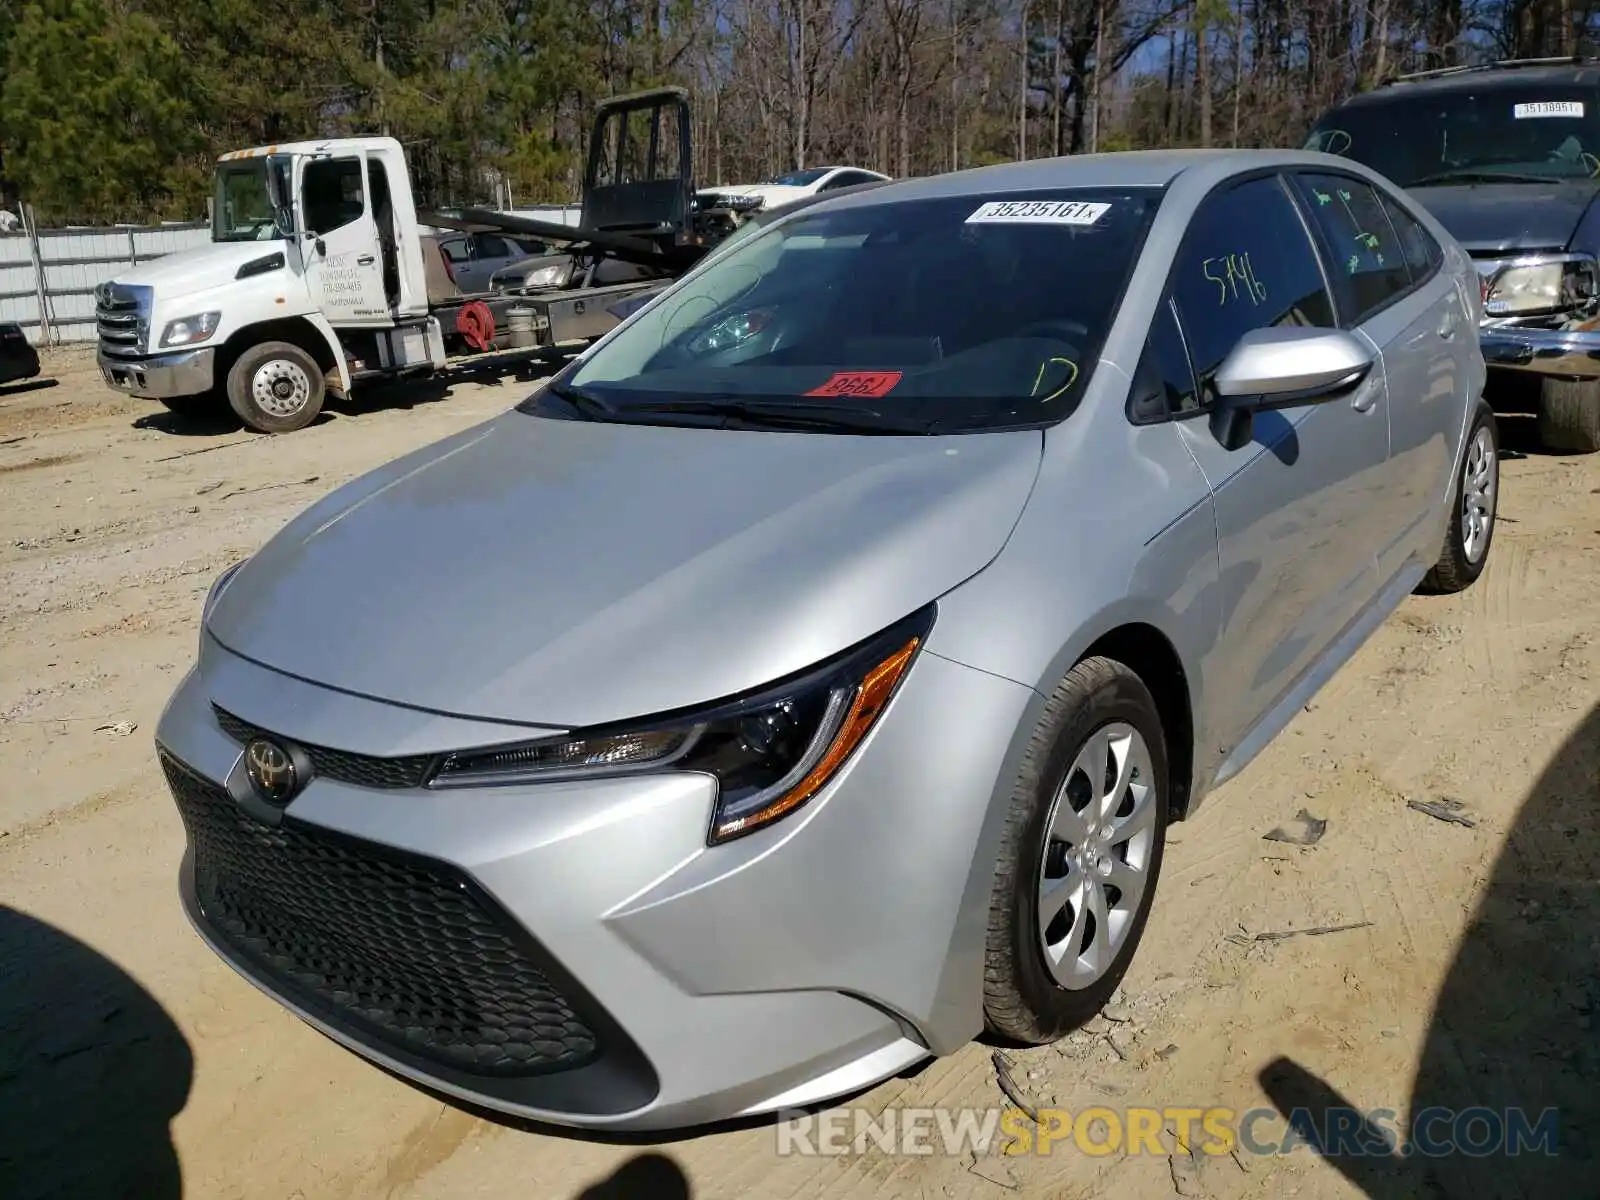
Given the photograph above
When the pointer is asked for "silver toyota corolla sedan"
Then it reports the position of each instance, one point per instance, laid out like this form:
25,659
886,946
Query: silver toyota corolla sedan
806,677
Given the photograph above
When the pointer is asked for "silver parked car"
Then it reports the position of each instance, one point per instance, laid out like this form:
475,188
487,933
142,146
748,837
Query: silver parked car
806,677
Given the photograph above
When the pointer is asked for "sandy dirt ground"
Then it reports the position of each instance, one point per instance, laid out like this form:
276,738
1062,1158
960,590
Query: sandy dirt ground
129,1053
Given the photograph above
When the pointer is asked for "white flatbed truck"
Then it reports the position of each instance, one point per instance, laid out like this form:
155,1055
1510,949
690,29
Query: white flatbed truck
321,273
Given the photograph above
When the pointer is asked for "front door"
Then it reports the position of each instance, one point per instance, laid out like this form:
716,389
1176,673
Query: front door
1297,553
344,262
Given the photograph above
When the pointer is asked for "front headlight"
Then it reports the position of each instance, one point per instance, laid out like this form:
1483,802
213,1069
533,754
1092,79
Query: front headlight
555,275
186,331
769,752
1530,288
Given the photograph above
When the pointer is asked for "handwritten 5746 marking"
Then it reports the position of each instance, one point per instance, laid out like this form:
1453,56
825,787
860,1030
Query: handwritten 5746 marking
1234,276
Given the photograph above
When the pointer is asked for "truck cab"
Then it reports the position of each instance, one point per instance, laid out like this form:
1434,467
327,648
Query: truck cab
316,266
322,272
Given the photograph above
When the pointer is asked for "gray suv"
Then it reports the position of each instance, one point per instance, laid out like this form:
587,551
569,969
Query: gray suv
1507,158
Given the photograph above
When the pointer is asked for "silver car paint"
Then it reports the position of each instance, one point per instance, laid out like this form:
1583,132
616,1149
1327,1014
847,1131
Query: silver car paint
604,572
844,942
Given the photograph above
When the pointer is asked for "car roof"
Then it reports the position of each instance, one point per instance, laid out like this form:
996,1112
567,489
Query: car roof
1125,169
1484,79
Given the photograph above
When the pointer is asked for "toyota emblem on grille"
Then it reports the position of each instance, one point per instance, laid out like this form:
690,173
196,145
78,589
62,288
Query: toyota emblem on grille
271,771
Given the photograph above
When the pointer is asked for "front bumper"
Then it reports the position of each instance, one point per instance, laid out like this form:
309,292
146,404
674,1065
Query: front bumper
1565,353
685,984
189,373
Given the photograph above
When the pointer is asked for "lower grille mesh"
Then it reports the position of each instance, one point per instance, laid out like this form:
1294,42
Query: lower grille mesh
393,945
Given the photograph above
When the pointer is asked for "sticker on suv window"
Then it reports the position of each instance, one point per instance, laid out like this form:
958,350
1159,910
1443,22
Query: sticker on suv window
1548,108
1038,212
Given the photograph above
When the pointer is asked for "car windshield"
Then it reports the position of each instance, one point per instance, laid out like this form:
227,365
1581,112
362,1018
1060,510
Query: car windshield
922,315
799,178
1524,134
242,211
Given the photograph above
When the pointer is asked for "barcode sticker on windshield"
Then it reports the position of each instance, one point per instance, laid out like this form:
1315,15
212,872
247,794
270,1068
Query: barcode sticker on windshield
1039,212
1548,108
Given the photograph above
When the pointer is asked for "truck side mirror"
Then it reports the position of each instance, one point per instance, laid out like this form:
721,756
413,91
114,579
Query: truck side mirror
282,205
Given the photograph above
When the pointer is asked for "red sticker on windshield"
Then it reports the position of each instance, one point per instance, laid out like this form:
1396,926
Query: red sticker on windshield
870,384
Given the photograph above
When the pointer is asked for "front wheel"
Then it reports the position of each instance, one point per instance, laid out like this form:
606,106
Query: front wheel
1474,503
276,387
1079,857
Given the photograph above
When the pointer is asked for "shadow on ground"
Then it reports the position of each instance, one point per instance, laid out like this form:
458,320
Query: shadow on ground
644,1177
92,1070
1515,1031
23,387
516,379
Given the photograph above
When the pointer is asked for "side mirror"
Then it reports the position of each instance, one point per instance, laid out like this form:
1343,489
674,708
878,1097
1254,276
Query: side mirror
1289,365
1284,366
282,205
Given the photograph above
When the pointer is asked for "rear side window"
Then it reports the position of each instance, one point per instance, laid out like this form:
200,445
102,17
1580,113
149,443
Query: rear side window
1423,254
1246,264
489,246
1368,264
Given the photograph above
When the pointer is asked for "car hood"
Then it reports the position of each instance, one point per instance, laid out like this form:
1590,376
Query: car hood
1495,218
199,268
570,573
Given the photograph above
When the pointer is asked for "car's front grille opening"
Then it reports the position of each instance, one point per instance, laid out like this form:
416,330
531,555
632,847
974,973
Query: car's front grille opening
405,950
362,770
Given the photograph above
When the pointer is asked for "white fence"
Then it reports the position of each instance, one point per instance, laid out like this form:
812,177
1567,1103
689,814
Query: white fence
48,276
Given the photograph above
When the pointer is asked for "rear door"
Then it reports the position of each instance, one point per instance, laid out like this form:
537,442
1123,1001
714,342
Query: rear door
490,252
1389,284
1297,555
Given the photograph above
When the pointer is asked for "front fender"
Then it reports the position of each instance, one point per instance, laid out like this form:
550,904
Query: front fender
320,323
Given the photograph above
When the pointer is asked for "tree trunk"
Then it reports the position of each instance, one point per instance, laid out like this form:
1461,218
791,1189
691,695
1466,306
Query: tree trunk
1022,100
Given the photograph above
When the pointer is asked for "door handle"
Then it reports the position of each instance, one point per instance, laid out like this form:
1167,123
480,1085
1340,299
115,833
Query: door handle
1447,327
366,260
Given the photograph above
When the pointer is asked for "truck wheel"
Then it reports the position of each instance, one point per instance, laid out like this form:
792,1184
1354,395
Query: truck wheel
1569,414
276,387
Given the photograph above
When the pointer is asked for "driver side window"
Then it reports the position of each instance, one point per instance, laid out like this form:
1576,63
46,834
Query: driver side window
1247,263
333,193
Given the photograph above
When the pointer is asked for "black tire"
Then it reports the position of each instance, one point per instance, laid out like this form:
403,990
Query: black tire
1569,415
298,385
1023,1002
1455,570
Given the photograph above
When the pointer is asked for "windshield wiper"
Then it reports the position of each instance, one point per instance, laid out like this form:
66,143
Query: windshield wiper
590,406
783,415
1485,175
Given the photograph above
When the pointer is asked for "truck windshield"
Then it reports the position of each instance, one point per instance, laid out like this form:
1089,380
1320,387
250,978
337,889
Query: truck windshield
243,208
1499,134
938,315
